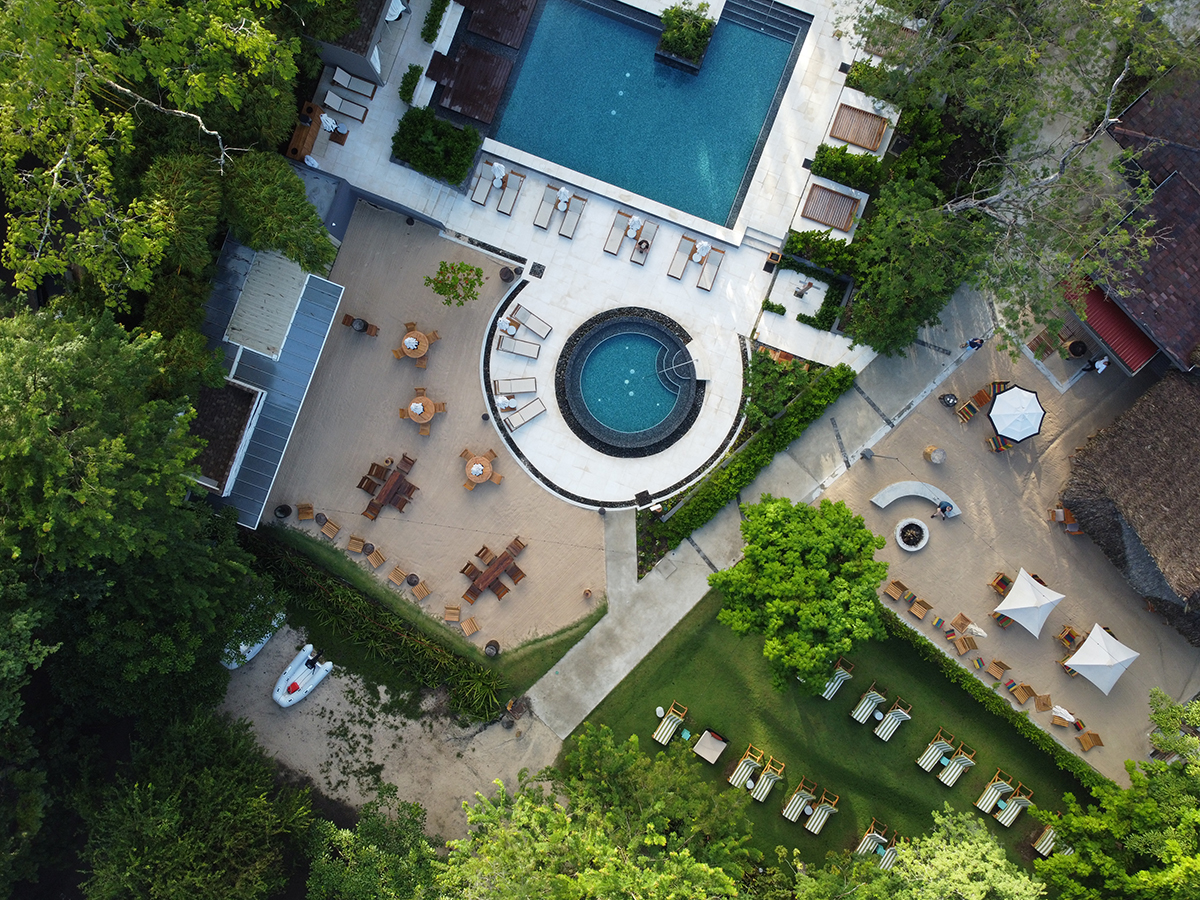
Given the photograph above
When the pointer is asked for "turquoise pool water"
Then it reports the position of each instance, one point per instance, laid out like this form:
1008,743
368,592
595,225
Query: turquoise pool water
590,96
620,384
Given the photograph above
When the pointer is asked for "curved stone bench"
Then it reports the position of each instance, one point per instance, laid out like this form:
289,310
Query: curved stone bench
914,489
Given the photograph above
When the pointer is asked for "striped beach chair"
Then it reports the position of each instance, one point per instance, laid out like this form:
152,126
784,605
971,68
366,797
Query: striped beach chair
887,858
999,787
770,775
1010,809
874,840
941,744
750,762
804,794
962,760
841,674
1044,845
892,719
821,812
870,699
671,721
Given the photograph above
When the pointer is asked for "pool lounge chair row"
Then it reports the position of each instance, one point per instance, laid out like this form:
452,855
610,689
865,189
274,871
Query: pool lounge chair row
550,202
620,230
510,187
526,413
708,270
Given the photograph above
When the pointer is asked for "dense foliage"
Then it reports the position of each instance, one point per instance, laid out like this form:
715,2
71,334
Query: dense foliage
434,147
433,20
686,30
771,385
690,841
199,815
777,308
808,581
408,84
723,485
1140,843
861,171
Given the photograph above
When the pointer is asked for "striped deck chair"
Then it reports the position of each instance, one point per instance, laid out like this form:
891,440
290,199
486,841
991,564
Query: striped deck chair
959,763
888,857
892,719
1008,812
766,781
804,794
1044,845
871,698
750,762
671,721
874,839
841,674
822,812
941,744
996,789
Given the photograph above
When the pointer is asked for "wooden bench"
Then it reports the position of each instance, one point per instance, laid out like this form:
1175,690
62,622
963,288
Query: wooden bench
900,489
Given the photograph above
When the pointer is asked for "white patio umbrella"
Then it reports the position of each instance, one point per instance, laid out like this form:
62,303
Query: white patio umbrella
564,194
1029,603
702,249
1016,414
1102,659
635,223
497,171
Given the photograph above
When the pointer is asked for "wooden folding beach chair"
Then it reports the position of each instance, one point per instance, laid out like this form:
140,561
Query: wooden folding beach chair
376,558
896,589
452,613
356,544
1022,692
304,511
997,668
1088,740
919,608
329,529
397,576
469,627
421,591
960,622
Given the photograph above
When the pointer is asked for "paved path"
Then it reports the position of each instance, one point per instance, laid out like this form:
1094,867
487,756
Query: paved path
641,613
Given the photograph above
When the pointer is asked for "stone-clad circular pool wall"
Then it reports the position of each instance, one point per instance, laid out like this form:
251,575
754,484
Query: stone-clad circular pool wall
676,371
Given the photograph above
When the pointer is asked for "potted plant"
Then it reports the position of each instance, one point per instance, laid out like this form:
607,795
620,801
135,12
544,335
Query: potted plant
686,33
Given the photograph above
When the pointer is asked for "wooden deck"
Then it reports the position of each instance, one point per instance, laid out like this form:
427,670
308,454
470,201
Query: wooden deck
858,127
503,21
830,207
473,83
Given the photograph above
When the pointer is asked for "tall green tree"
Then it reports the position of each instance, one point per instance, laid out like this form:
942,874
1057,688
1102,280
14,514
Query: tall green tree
199,816
807,580
1177,725
1140,842
386,856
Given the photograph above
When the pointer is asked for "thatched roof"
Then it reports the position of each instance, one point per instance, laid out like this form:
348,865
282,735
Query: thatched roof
1135,489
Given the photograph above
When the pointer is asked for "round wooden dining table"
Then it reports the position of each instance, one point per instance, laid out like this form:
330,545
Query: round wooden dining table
418,351
482,476
427,410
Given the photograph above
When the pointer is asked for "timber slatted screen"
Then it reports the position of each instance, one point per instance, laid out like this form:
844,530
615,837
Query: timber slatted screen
858,127
830,208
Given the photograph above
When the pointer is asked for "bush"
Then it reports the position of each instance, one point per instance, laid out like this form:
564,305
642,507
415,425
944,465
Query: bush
710,497
771,385
408,84
433,147
778,308
826,316
686,30
826,251
995,704
433,20
861,171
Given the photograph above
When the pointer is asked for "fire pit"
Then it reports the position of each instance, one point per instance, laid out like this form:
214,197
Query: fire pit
911,535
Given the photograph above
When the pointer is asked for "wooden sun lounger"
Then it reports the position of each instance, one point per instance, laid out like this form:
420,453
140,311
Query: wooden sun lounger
360,86
530,410
512,187
571,219
514,385
616,234
750,762
670,722
530,321
708,274
645,233
821,812
483,185
549,197
682,254
520,348
344,106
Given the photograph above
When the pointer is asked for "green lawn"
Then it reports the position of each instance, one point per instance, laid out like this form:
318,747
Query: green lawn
726,685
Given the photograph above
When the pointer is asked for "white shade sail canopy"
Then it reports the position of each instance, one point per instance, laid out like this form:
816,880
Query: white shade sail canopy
1029,603
1102,659
1016,414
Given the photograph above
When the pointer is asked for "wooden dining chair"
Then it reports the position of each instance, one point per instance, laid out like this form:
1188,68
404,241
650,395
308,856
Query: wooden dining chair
399,502
514,572
420,392
490,455
499,588
515,546
433,337
486,555
410,489
424,430
372,330
347,320
469,485
472,594
398,353
404,412
378,471
368,484
406,463
497,478
421,362
466,453
470,570
439,407
410,326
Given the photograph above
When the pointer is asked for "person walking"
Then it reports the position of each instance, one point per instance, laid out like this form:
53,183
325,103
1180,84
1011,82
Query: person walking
945,507
973,343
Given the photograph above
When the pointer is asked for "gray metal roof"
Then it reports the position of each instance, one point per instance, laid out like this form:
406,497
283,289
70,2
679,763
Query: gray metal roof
285,380
268,301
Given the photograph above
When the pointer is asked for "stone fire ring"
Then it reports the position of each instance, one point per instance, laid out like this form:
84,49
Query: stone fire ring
924,534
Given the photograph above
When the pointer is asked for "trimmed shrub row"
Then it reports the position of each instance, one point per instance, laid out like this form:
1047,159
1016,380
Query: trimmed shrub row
433,20
434,147
408,84
778,308
474,690
723,485
861,171
994,703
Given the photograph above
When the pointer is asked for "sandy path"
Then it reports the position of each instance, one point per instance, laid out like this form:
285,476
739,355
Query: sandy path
342,740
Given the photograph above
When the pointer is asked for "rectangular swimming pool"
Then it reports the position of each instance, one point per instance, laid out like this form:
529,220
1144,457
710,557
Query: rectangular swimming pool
590,96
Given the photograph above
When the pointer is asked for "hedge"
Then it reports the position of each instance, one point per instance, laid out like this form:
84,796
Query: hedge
860,171
995,704
723,485
433,20
434,147
778,308
408,84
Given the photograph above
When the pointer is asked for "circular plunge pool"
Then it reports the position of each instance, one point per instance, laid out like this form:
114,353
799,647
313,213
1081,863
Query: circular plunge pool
627,383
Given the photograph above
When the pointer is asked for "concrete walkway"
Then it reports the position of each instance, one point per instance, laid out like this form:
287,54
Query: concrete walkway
641,613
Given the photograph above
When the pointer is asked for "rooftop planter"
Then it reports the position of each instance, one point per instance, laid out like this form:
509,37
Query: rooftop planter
686,33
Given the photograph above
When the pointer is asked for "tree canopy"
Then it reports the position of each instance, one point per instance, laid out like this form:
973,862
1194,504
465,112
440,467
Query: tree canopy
808,581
